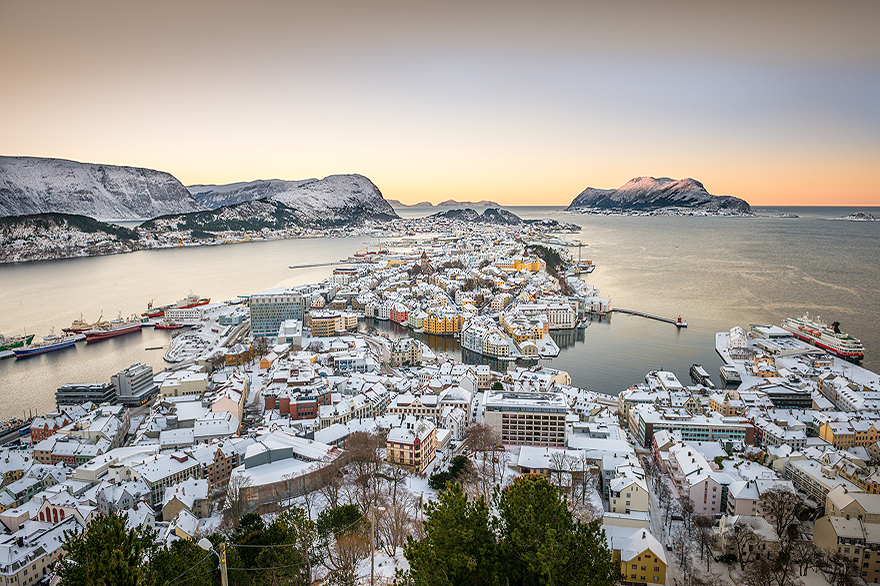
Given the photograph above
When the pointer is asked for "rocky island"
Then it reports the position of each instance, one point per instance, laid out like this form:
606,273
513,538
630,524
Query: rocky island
649,195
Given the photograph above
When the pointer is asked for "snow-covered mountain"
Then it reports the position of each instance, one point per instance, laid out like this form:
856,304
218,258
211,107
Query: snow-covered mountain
489,216
216,196
31,185
337,200
649,193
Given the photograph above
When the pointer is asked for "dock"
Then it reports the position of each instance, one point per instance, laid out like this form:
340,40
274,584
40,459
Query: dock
319,264
679,323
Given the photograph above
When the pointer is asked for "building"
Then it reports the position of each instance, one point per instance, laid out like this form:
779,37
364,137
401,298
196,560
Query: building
414,447
641,557
79,393
628,494
270,308
135,385
527,418
326,323
856,541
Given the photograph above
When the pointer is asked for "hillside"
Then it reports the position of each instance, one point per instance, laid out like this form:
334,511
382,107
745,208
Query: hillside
52,236
31,185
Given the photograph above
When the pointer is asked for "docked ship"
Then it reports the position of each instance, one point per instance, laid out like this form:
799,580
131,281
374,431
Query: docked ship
15,341
49,343
78,326
155,311
826,337
700,376
729,375
185,303
168,324
116,327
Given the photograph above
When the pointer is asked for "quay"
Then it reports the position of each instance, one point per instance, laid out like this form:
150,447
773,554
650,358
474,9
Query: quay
679,323
320,264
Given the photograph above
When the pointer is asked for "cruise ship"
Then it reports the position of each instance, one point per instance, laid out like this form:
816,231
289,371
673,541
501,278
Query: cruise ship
116,327
826,337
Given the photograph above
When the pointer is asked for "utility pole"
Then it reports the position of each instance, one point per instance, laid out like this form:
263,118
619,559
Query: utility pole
224,577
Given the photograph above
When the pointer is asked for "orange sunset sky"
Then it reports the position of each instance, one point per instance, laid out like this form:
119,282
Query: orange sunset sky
524,103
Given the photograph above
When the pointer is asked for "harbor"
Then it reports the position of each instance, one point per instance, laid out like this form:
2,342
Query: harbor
679,323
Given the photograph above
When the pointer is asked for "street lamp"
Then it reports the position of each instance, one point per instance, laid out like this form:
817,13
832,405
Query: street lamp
205,544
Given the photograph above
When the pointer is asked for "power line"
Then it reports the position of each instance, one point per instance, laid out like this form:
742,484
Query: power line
193,567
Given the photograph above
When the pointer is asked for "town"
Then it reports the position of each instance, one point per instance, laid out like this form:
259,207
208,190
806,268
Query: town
303,398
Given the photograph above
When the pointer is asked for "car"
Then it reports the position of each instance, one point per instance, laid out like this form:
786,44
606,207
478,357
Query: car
677,517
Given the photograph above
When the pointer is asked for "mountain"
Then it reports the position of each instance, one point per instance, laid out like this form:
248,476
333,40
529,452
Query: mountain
650,194
489,216
337,200
216,196
334,200
449,203
52,236
31,185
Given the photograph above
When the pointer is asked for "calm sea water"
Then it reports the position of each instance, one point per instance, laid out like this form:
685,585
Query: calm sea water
714,272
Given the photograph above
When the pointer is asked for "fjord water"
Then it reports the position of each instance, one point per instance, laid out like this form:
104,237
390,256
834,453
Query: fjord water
715,272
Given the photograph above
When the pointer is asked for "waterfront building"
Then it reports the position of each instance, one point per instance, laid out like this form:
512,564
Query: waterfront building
135,385
270,308
79,393
527,418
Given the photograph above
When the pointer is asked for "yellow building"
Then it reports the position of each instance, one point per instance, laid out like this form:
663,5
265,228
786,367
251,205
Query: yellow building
446,323
642,558
727,403
854,540
517,264
326,324
847,434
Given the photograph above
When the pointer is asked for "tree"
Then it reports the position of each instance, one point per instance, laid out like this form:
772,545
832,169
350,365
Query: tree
277,553
343,539
770,572
703,526
179,560
806,555
745,541
541,542
108,553
782,508
364,462
459,545
238,493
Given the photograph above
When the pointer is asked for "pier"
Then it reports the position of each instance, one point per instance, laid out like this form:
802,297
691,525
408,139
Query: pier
679,323
319,264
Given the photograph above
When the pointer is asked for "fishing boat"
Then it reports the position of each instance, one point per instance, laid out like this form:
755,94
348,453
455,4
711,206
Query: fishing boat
116,327
15,341
49,343
78,326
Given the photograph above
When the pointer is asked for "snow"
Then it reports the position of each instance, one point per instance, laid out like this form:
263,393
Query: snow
30,185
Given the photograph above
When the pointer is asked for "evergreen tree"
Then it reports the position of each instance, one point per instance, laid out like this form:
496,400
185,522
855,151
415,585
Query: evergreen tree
184,560
542,543
458,547
108,553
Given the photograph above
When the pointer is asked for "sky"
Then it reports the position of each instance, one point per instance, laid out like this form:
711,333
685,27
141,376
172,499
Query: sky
522,103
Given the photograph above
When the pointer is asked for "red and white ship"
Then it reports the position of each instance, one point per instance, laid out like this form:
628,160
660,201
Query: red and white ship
185,303
116,327
826,337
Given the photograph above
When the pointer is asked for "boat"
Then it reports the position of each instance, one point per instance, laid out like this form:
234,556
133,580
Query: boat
49,343
15,341
701,377
827,337
78,326
191,301
185,303
168,324
155,311
729,375
116,327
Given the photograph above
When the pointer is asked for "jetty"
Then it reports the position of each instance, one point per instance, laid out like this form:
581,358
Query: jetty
679,323
319,264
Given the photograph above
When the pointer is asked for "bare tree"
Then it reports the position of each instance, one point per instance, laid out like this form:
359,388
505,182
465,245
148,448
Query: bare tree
770,572
344,554
561,466
745,541
364,463
682,549
782,508
805,555
396,521
238,497
686,506
703,533
837,570
329,480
